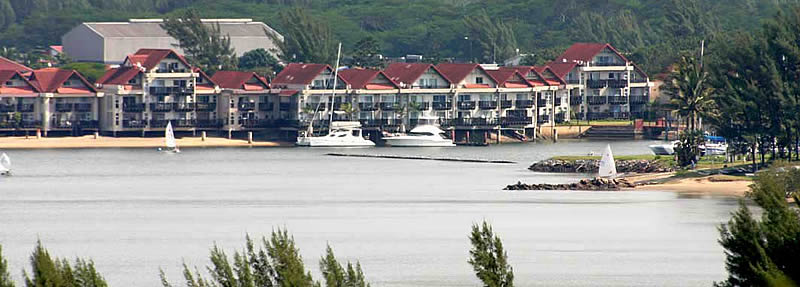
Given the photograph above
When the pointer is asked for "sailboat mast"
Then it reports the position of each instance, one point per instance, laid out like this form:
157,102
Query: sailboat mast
335,78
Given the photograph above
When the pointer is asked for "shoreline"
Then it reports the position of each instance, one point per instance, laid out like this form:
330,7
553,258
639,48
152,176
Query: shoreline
707,185
90,142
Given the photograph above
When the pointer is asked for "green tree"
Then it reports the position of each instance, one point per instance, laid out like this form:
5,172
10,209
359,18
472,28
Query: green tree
689,91
337,276
259,61
496,38
92,71
488,258
366,53
204,45
764,252
49,271
5,277
305,38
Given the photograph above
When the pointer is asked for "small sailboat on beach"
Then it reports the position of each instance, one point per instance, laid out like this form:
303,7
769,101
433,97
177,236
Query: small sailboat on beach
5,165
608,167
169,139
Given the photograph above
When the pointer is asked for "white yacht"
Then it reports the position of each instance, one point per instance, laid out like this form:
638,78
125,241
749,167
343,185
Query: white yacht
169,139
664,149
420,136
342,134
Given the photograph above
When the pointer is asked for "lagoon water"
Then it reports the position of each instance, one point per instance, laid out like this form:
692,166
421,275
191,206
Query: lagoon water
136,210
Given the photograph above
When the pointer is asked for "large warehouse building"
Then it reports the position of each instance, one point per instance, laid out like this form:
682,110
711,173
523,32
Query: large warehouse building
110,42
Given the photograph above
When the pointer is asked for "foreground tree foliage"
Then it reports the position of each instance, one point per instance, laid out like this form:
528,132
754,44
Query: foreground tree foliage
5,277
764,252
496,39
306,38
488,258
47,271
259,61
276,262
204,45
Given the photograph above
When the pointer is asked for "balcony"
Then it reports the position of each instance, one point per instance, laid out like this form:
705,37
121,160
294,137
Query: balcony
247,106
7,108
64,108
171,70
639,99
252,124
469,122
575,100
184,107
617,100
487,105
61,124
390,106
597,100
442,106
25,108
266,107
560,117
284,106
420,106
377,123
83,107
158,123
522,121
30,124
617,84
134,124
523,104
466,105
505,104
132,107
608,64
206,107
544,119
367,106
313,106
161,107
595,84
88,124
544,103
183,123
209,124
620,115
599,84
171,90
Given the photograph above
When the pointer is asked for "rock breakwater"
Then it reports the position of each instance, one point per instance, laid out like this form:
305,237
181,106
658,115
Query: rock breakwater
596,184
591,165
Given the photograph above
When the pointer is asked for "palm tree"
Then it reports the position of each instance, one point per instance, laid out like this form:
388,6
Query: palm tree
689,91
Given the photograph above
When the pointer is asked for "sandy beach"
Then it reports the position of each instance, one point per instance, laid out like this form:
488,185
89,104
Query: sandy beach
126,142
707,185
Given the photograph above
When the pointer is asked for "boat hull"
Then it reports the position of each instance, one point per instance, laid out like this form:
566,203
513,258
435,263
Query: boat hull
418,142
333,142
662,149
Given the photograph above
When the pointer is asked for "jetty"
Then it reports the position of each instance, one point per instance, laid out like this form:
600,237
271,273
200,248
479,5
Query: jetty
421,158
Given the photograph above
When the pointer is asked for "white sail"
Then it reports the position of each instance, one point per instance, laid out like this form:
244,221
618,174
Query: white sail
169,136
5,163
608,168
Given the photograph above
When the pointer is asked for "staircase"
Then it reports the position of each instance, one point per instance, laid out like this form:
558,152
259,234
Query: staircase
611,133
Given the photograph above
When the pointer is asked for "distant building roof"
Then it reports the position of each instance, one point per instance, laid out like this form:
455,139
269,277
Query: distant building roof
299,73
585,52
6,64
239,80
6,75
408,73
51,80
361,78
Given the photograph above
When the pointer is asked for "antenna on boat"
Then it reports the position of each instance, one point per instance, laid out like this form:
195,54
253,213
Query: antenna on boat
333,93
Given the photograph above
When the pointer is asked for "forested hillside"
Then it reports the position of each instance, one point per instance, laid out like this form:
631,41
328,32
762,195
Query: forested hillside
652,32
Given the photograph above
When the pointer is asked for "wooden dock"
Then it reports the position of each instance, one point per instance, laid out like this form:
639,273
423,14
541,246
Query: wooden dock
421,158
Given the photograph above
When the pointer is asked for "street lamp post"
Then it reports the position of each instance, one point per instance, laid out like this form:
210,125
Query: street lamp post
466,38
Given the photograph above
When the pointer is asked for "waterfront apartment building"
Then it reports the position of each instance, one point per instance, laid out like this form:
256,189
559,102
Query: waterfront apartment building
48,100
246,101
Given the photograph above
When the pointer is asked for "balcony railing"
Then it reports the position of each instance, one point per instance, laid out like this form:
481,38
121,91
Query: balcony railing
206,107
469,122
83,107
209,123
184,107
25,108
134,123
517,121
268,107
607,64
367,106
505,104
284,106
171,90
466,105
161,107
84,124
30,124
247,106
544,119
599,84
597,100
390,106
639,99
171,70
575,100
63,108
442,106
159,123
61,124
523,104
617,100
420,106
373,123
487,105
132,107
560,117
7,108
544,103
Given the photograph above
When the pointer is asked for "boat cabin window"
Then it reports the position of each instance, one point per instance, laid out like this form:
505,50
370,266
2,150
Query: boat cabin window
356,133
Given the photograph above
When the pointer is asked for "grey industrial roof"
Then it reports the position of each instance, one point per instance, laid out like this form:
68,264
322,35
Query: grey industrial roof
134,29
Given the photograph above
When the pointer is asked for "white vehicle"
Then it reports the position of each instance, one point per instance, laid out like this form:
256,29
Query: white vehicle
169,140
608,167
342,134
421,136
5,165
664,149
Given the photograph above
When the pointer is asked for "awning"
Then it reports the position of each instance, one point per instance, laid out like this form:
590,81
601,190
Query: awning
287,93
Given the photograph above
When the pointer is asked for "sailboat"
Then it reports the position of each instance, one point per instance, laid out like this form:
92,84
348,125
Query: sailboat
5,164
169,139
340,134
608,167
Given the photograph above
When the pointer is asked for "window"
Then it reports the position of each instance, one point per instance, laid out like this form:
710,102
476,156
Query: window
9,83
433,83
199,80
440,98
464,97
132,81
158,83
610,75
479,80
423,82
318,83
366,99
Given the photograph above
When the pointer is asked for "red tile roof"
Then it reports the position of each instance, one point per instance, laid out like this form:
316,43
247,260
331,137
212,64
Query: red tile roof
6,64
6,75
119,76
361,78
149,58
456,72
59,49
238,80
509,77
561,69
408,73
300,74
50,80
585,52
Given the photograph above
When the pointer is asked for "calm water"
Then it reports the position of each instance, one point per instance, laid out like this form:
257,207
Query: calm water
135,210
